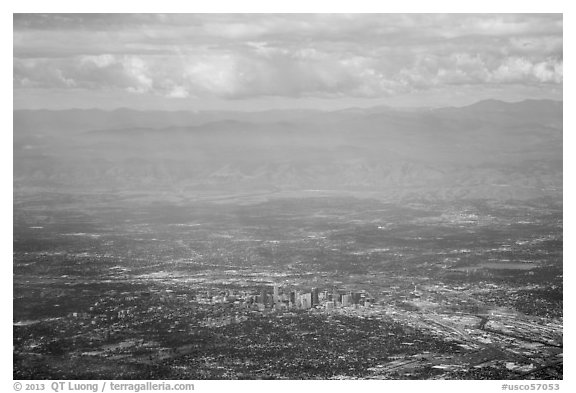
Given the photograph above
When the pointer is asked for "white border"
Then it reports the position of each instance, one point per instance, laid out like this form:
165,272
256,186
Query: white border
549,6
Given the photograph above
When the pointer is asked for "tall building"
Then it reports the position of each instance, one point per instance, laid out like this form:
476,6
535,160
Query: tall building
263,296
315,300
306,300
298,300
346,300
276,297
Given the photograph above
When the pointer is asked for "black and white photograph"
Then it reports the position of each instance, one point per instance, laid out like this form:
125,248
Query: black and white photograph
287,196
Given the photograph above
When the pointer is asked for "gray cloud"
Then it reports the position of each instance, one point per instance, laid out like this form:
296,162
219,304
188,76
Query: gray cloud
238,56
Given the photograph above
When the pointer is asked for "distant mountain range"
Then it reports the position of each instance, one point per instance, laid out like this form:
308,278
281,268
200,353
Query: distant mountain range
491,149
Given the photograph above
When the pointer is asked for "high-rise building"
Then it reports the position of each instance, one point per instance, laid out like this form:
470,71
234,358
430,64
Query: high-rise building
346,300
276,298
263,296
315,300
306,300
298,301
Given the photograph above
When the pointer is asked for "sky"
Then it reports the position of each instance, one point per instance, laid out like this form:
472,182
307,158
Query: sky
271,61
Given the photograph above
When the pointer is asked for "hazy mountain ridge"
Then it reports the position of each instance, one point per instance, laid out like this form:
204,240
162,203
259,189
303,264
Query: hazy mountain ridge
490,149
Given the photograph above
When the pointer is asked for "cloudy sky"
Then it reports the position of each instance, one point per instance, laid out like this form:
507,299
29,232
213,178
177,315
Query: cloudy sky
263,61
